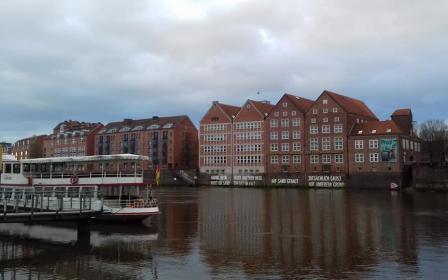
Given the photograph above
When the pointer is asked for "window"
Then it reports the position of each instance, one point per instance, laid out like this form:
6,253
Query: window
326,145
274,135
285,159
373,144
293,113
296,159
314,144
326,128
285,114
374,157
285,104
285,147
325,101
326,159
335,109
337,128
276,114
274,123
359,158
325,110
314,159
296,134
336,119
314,129
338,158
274,147
325,120
359,144
274,160
285,122
285,135
315,111
296,147
338,143
313,120
295,122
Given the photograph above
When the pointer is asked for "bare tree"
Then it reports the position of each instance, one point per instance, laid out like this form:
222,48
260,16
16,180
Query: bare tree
434,134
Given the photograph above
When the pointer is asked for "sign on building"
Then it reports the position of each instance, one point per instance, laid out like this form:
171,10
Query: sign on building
326,181
389,150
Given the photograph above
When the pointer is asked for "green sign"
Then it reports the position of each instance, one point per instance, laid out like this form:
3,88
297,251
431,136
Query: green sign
389,150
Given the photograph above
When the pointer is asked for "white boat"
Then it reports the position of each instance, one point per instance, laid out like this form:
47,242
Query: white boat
394,186
119,178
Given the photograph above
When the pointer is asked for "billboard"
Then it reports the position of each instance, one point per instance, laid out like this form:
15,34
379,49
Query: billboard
389,150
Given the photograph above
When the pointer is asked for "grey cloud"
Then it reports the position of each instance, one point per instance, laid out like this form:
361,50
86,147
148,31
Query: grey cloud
107,60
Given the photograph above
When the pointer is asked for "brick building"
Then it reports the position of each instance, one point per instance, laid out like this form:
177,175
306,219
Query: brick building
30,147
328,123
285,135
215,140
71,138
6,147
170,142
384,146
249,151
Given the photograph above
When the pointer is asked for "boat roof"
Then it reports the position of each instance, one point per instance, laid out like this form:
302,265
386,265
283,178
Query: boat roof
97,158
9,157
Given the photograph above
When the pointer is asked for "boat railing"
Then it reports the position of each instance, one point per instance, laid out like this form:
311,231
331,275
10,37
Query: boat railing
61,175
130,203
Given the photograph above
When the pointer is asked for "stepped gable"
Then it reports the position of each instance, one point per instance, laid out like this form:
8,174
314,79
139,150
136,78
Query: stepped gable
351,105
376,128
303,104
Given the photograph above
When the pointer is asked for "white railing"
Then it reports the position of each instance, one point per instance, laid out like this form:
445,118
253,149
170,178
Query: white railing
130,203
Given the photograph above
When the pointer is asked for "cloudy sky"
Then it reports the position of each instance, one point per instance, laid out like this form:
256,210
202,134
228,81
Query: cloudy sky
109,60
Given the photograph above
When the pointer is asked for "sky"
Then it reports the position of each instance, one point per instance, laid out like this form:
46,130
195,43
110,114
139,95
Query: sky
106,60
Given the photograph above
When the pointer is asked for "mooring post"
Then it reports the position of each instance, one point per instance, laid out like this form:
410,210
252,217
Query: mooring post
83,235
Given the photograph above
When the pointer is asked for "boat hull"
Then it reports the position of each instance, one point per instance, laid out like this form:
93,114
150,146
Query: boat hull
128,214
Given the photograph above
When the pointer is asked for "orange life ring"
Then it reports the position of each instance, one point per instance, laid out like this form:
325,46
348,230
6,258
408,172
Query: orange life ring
74,180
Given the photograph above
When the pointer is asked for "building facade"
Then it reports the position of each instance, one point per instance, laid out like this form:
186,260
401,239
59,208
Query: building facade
170,142
30,147
216,139
71,138
285,136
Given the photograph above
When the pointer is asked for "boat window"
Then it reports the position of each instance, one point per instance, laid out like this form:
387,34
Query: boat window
26,167
16,168
8,168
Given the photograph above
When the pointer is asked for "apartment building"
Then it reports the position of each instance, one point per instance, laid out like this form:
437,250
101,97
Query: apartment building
30,147
170,142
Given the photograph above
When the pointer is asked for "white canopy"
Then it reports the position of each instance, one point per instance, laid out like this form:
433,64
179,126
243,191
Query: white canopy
87,159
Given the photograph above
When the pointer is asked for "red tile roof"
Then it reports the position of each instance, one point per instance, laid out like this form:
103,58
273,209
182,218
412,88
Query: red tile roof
302,103
230,110
263,107
376,128
402,112
351,105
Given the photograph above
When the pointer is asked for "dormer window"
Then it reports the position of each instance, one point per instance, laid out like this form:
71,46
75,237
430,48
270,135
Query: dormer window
124,129
153,126
374,131
359,132
168,125
389,130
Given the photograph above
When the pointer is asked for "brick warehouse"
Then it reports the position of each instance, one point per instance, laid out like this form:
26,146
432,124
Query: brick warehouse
300,141
170,142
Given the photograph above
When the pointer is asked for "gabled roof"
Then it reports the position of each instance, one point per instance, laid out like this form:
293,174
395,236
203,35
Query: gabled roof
402,112
375,128
230,110
351,105
301,103
264,107
145,123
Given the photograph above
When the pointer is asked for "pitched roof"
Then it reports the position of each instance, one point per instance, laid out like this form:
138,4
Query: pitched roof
230,110
402,112
302,103
376,128
144,123
351,105
264,107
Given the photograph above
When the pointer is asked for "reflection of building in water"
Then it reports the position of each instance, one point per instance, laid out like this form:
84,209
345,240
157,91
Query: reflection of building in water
302,232
178,224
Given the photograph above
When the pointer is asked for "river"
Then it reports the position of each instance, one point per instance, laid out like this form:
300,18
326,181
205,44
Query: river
238,233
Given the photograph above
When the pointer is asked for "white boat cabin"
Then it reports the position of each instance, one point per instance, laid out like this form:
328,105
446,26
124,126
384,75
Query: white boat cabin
118,170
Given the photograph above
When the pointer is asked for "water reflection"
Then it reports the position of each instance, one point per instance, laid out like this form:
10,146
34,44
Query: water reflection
219,233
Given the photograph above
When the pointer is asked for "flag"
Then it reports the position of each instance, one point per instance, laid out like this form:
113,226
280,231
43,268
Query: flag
157,175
